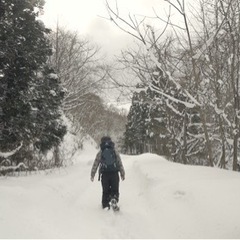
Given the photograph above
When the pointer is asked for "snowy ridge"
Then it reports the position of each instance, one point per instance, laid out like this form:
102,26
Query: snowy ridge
158,199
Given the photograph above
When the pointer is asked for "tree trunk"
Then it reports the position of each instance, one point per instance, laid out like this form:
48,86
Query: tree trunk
223,157
208,142
184,150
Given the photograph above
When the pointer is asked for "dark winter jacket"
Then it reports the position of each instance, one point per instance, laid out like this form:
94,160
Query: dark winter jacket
97,162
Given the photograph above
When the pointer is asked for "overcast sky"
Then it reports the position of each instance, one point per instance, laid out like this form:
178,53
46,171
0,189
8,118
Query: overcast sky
87,17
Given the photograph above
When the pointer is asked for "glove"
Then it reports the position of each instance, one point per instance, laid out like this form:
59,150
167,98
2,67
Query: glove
123,178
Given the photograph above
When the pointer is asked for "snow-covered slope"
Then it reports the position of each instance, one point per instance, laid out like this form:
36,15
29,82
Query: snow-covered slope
158,199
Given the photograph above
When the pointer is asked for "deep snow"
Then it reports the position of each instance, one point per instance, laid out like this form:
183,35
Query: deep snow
158,199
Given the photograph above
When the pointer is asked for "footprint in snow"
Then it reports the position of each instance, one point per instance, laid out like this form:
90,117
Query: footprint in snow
179,194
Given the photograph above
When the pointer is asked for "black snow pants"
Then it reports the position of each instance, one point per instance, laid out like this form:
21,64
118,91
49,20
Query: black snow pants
110,187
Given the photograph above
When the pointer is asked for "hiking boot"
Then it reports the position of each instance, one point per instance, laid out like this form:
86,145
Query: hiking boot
107,207
114,205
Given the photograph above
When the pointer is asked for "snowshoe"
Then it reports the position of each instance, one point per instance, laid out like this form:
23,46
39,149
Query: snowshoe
113,204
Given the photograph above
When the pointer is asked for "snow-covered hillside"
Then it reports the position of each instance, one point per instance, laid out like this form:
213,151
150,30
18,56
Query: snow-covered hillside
158,199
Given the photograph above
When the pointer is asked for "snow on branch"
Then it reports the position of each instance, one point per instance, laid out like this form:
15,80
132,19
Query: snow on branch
134,25
14,168
186,104
10,169
8,154
221,112
173,109
158,64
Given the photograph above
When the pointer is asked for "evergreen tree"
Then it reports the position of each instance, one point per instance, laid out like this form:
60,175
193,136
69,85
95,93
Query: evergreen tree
136,129
30,92
158,127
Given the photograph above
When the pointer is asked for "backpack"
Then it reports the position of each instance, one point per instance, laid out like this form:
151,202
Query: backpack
108,157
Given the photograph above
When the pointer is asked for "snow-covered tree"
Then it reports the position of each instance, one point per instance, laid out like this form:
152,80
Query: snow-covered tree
30,92
203,75
79,65
136,129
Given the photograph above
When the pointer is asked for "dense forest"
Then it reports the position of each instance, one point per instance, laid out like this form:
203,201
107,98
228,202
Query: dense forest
185,99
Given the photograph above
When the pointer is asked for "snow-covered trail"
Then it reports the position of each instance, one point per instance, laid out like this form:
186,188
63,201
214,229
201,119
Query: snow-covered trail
66,204
158,199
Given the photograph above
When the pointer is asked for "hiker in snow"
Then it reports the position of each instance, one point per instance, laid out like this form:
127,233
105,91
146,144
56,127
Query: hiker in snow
109,162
